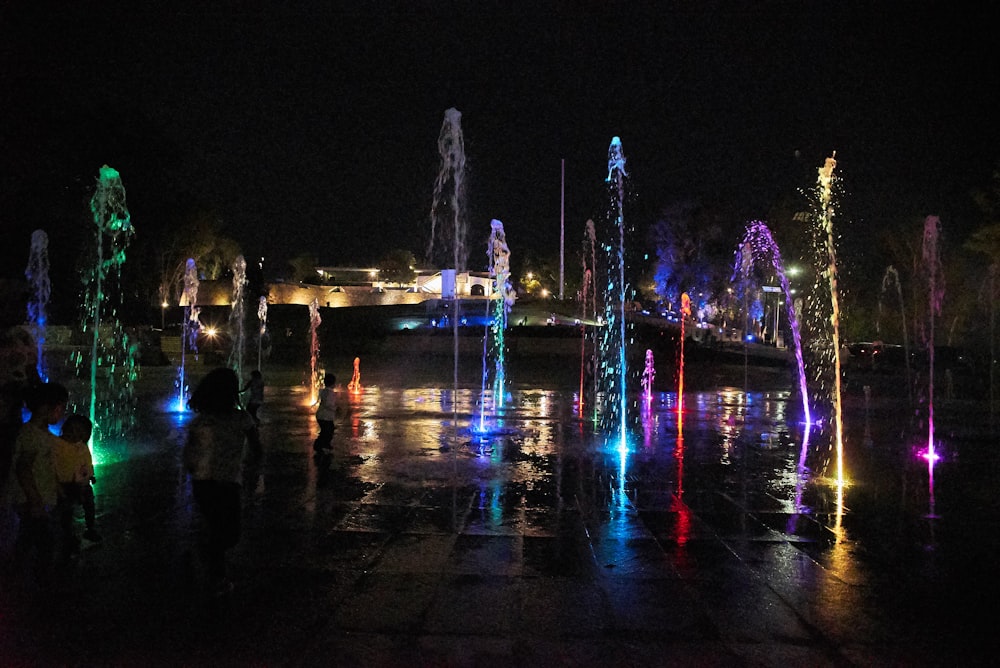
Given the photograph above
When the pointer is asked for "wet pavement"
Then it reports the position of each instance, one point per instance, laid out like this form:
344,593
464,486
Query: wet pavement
418,543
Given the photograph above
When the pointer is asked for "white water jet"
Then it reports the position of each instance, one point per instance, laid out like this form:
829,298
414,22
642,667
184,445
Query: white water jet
447,213
892,276
503,300
262,318
314,375
614,368
237,317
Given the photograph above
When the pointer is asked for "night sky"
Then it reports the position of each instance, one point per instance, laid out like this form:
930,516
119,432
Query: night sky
312,126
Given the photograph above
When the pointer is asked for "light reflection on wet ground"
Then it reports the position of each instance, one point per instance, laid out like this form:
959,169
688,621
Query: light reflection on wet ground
539,539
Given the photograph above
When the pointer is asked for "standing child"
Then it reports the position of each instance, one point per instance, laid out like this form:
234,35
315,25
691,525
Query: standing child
213,456
326,413
37,490
75,473
255,386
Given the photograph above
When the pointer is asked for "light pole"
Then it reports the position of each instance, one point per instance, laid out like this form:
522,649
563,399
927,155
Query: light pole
562,229
777,319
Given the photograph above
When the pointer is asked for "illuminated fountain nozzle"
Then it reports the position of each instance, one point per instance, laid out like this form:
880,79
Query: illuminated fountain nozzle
930,455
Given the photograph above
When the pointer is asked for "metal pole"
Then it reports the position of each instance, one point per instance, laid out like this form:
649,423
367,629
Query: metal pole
562,229
777,320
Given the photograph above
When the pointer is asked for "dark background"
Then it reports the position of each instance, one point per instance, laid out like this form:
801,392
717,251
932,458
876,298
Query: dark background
312,126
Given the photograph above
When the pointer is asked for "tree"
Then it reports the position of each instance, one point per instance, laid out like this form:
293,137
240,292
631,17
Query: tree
539,274
199,238
691,255
398,267
986,239
303,268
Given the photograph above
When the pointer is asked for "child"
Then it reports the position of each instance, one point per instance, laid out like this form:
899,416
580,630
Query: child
37,490
213,456
325,415
75,473
256,397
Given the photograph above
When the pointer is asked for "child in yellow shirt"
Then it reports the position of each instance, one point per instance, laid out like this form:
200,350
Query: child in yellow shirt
36,491
75,473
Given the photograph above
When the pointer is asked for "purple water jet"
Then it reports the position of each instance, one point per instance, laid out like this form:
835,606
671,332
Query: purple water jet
758,245
189,328
935,294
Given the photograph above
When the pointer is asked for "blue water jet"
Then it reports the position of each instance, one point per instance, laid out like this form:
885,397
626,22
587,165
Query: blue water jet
613,363
37,273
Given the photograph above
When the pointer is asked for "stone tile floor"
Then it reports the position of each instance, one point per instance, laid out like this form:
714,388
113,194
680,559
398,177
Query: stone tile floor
417,544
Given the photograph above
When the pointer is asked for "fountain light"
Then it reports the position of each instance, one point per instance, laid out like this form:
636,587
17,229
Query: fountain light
929,455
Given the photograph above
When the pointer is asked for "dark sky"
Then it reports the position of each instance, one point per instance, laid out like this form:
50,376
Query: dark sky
312,126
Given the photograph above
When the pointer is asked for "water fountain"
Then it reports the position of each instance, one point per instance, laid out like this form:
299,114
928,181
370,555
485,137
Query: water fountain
588,312
37,273
892,276
189,328
758,245
447,218
585,290
991,298
315,376
935,294
112,406
823,314
501,300
262,318
613,369
826,211
354,385
648,375
685,314
237,317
